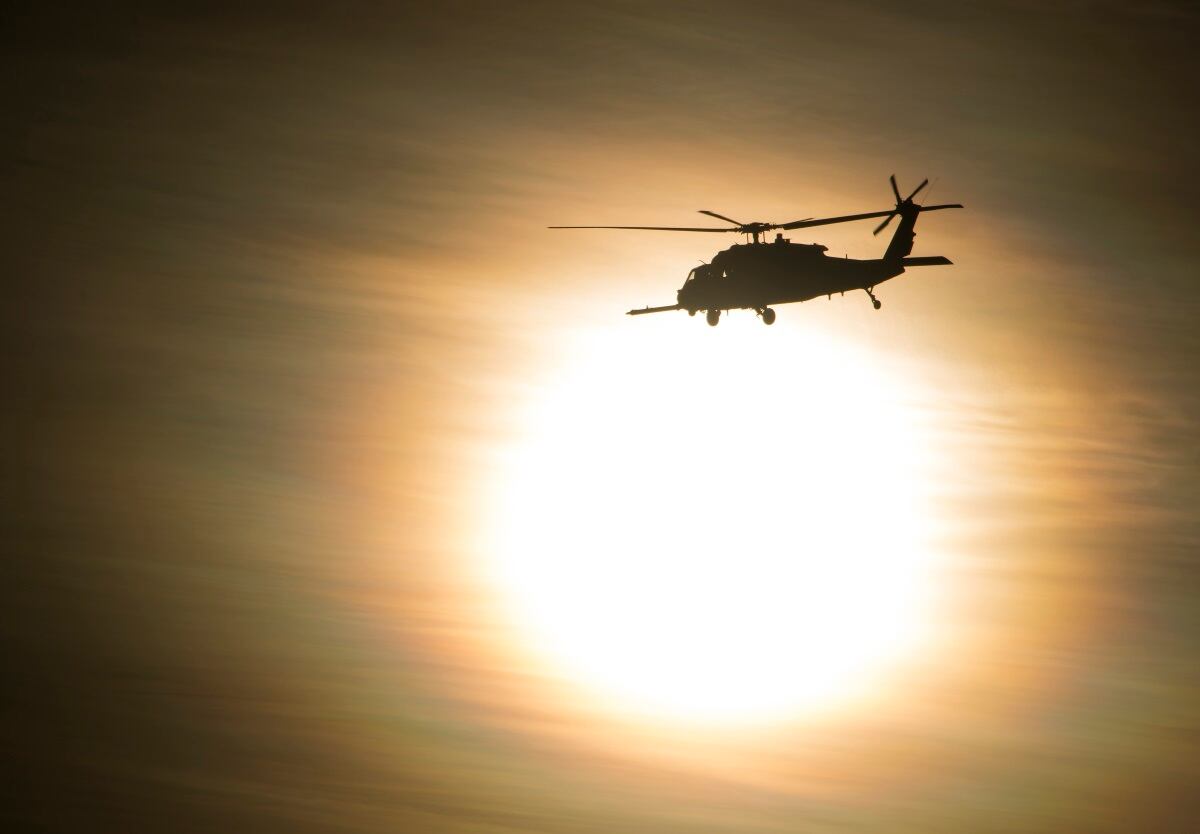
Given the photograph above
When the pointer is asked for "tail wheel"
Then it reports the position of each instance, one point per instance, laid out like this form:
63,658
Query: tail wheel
768,316
713,317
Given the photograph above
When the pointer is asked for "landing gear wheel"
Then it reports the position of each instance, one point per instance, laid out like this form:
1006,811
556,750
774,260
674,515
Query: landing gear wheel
768,316
877,303
713,317
691,312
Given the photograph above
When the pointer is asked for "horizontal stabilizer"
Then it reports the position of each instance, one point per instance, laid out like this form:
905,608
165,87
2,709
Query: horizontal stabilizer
645,310
932,260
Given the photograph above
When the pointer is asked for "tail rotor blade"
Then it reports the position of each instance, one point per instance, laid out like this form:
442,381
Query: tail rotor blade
883,225
895,190
924,183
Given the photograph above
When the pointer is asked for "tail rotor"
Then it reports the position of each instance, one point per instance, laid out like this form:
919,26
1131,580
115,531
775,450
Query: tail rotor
900,203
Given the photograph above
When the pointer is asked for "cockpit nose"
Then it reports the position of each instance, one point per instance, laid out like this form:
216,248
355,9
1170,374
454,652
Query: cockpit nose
687,299
688,291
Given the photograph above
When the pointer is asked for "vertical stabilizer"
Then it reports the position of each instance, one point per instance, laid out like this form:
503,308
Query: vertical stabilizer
902,241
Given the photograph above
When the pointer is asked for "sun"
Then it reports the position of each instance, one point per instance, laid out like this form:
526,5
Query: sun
716,525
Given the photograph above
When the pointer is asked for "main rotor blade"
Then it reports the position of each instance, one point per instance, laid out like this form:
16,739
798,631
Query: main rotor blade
924,183
883,225
825,221
649,228
895,190
942,206
722,217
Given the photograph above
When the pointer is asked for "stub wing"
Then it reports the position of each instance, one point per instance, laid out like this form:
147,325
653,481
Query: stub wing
645,310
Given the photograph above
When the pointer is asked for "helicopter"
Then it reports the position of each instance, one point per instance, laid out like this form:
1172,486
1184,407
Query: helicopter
757,274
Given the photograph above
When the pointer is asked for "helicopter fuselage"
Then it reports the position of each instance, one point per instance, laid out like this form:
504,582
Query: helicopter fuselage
757,275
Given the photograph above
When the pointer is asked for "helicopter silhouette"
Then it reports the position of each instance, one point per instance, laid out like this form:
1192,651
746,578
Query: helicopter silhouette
757,274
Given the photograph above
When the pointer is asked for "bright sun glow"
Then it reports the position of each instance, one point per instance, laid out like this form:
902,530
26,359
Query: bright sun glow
716,524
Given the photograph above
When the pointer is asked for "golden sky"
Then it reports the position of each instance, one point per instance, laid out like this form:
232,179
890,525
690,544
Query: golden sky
292,349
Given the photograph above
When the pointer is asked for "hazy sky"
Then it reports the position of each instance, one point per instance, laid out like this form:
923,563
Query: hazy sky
281,293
